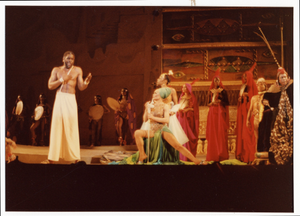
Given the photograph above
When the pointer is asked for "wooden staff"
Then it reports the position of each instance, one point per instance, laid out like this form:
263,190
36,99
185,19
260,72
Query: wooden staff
281,31
267,43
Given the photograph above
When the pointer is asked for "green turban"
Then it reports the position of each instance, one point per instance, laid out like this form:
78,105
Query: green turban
164,92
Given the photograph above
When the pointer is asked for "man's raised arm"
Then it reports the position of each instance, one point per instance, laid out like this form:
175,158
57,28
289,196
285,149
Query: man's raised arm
82,85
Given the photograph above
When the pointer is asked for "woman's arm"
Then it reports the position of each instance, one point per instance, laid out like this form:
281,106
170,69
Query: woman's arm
190,107
145,115
106,110
174,96
249,112
165,119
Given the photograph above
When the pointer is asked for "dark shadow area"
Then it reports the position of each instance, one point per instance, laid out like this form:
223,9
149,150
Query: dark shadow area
211,188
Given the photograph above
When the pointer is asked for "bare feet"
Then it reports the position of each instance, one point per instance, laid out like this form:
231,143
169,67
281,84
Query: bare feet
120,140
204,162
142,157
197,161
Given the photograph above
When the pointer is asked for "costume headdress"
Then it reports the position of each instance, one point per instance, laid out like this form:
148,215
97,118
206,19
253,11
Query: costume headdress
195,105
268,45
251,85
217,75
261,79
280,70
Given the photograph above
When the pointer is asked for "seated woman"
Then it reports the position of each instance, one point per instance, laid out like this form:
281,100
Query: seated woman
162,145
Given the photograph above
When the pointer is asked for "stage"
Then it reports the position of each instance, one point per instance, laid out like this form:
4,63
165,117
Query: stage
91,156
32,186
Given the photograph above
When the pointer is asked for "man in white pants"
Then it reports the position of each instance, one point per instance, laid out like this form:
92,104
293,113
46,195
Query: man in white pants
64,134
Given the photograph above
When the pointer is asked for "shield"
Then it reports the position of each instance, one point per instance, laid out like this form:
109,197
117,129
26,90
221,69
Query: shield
38,112
113,103
96,112
19,108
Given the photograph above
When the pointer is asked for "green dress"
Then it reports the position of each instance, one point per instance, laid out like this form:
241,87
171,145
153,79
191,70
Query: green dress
160,151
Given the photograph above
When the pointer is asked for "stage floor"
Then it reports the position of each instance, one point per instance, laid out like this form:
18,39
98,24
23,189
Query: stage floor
37,154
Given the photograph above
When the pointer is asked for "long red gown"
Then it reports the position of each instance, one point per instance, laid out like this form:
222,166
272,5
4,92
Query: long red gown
245,138
189,121
216,129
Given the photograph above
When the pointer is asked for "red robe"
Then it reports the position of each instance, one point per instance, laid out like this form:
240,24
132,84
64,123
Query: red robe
216,129
190,124
245,138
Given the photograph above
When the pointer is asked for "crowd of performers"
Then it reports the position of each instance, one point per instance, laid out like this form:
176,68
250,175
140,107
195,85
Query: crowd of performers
170,130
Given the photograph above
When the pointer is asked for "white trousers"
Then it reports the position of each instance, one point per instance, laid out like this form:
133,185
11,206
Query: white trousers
64,134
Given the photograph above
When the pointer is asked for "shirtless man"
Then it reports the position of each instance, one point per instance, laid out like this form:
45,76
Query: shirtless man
64,134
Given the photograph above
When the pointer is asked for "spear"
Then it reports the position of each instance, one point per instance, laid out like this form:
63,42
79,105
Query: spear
267,43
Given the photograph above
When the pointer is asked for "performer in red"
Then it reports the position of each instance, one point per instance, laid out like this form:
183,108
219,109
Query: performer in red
188,116
245,138
217,121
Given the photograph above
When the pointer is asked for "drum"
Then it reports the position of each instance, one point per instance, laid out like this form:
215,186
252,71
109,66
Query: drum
19,108
96,112
113,103
38,112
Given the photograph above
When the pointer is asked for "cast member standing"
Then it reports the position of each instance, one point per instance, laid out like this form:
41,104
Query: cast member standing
95,113
163,82
217,121
245,138
16,129
188,116
64,133
125,117
256,110
41,118
280,98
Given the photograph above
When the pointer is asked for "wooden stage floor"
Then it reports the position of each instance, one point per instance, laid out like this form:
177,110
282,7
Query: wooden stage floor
91,156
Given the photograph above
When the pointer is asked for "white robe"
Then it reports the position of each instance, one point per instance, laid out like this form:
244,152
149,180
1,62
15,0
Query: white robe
174,126
64,134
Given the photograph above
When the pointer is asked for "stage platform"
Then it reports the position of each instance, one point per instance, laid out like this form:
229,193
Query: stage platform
91,156
174,188
37,154
84,186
